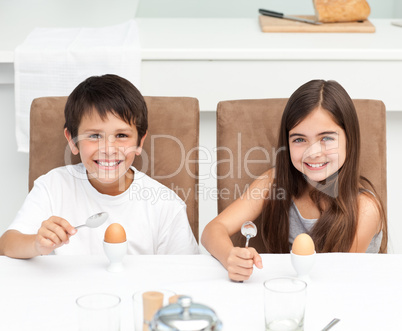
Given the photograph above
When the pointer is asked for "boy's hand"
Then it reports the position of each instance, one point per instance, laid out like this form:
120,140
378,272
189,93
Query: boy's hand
53,233
240,263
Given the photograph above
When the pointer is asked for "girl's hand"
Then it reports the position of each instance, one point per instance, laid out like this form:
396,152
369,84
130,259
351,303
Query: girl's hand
241,261
53,233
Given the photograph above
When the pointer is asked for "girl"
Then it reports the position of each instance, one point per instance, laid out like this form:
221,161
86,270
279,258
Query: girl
325,195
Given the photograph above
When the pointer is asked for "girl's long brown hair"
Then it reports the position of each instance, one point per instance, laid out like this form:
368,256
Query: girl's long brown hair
335,230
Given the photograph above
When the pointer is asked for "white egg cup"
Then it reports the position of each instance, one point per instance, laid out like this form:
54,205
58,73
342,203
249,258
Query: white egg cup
303,265
115,252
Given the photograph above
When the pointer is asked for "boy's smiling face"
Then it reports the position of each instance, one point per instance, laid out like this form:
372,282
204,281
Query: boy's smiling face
107,148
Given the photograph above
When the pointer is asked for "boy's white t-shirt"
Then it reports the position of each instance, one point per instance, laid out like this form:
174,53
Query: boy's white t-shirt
153,216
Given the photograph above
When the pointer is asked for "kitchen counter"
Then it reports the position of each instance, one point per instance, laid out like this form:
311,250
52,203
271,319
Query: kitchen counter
238,39
218,59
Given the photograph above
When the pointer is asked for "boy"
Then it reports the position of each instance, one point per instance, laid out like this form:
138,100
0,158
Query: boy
106,124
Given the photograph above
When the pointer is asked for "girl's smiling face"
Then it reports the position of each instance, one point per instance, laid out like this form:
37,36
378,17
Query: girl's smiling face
107,148
317,145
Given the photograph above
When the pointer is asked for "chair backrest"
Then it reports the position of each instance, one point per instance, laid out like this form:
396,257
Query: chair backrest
170,152
247,133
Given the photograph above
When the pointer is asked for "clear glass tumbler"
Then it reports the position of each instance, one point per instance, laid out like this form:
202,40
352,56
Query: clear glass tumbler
99,312
284,304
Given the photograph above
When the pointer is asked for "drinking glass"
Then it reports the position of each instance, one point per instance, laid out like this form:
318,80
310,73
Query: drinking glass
99,312
284,304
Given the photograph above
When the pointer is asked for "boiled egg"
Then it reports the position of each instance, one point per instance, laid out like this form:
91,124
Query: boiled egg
303,245
115,234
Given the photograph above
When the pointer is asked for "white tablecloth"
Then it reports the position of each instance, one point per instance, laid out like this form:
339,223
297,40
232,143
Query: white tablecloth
363,290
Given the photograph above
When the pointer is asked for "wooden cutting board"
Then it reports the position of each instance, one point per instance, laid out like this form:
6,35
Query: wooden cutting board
272,24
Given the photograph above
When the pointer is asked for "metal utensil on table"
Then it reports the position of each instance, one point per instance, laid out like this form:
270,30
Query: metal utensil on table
95,220
281,15
249,230
331,324
397,23
185,315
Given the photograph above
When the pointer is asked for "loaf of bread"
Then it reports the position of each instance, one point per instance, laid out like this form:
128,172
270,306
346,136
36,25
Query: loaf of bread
331,11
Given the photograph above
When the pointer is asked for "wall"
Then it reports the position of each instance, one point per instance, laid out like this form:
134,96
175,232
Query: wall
14,165
249,8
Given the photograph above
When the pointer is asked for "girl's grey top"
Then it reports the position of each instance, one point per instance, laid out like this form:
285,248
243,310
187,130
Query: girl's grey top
298,224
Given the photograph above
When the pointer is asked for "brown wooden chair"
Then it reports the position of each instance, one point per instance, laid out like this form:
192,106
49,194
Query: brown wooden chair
248,130
170,152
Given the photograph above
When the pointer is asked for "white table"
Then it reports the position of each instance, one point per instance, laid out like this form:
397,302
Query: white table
363,290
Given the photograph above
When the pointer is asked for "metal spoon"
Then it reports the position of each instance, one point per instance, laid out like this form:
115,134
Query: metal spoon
95,220
249,230
331,324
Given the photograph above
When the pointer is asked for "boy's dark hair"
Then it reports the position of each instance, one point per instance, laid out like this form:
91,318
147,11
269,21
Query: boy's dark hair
106,94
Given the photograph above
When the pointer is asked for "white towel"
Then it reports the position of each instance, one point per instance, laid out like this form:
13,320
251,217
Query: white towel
53,61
